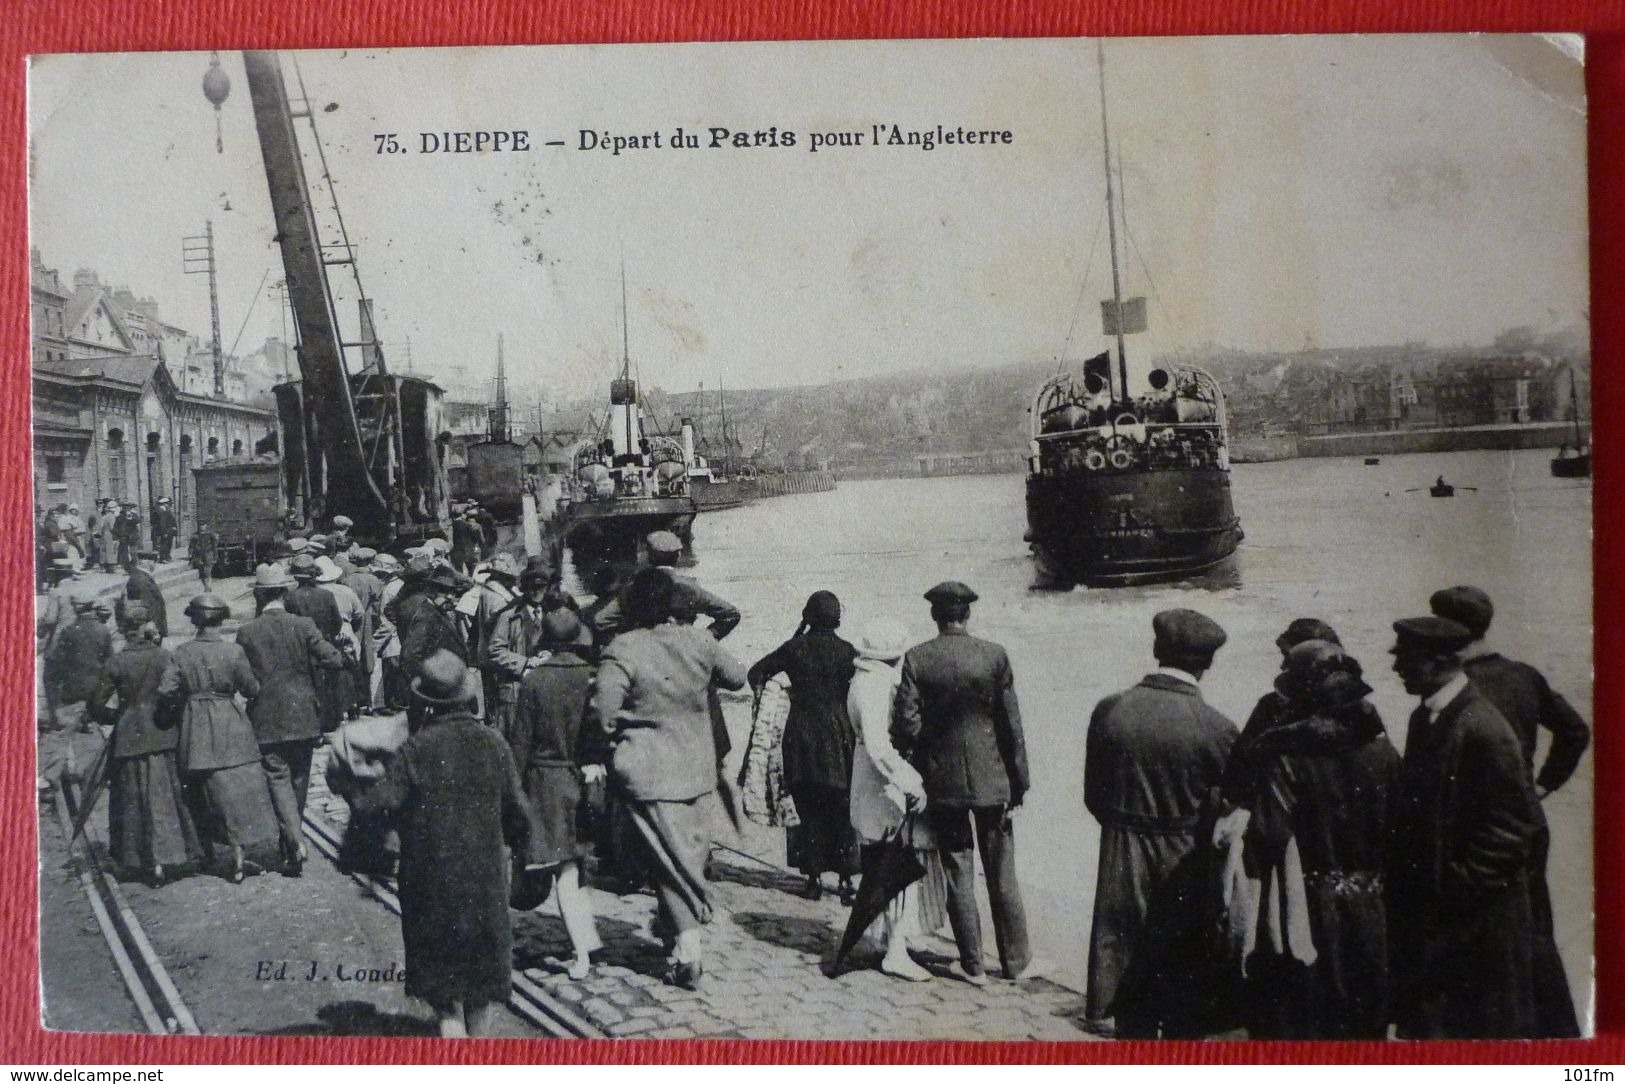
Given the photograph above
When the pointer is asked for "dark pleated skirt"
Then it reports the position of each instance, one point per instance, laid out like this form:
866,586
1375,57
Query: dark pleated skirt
148,822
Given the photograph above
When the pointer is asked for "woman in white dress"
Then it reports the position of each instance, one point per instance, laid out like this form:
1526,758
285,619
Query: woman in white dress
885,788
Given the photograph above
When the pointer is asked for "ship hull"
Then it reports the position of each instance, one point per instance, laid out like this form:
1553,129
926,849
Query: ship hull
713,496
1104,529
610,530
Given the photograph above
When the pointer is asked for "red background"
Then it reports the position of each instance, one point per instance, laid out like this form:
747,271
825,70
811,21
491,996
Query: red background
114,25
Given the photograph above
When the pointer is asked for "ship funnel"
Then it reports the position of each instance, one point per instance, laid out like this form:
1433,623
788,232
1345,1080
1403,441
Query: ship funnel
688,441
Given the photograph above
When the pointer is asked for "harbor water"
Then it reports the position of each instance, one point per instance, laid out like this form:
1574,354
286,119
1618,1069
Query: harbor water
1353,544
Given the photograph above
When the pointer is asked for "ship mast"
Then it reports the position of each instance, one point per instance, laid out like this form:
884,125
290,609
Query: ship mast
1111,223
625,395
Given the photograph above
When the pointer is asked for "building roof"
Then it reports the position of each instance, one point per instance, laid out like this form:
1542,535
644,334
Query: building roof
132,374
118,369
86,298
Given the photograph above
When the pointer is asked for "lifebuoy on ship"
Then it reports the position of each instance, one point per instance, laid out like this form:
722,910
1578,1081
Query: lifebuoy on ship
1095,460
1120,452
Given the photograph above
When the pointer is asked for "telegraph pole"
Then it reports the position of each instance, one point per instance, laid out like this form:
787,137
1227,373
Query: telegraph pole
197,258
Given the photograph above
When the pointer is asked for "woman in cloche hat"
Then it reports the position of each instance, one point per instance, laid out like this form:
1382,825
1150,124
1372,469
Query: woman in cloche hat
456,797
217,746
149,828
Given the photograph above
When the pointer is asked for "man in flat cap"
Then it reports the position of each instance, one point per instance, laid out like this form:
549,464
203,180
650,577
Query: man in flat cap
1529,705
956,719
1155,758
1466,824
1517,690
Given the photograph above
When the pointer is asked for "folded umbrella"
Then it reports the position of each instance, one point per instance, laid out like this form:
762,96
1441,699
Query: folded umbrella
887,869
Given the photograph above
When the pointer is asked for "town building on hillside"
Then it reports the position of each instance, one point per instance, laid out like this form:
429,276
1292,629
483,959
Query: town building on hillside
1500,391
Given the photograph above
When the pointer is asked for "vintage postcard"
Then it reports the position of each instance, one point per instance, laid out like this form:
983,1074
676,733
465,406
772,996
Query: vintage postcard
1041,539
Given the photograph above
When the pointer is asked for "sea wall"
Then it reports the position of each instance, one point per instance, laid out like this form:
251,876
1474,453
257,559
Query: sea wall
796,481
1471,438
1263,449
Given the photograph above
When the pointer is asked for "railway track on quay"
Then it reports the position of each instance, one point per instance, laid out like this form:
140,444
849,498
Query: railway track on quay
153,989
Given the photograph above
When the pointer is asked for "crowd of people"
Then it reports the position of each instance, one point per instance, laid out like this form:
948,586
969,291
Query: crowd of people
108,537
501,742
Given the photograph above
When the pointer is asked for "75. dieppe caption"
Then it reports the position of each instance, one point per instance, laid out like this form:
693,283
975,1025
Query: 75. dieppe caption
501,140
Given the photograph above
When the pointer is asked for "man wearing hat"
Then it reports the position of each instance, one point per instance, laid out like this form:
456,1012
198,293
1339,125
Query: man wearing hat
308,599
107,533
74,667
466,539
1466,826
141,587
1155,758
163,530
483,607
1529,705
353,632
456,798
1517,690
369,591
128,533
63,575
80,653
958,723
290,548
203,553
290,657
389,691
429,622
339,539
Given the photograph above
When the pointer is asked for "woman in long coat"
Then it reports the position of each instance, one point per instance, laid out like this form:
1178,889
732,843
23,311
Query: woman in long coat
216,750
555,756
456,797
1327,781
107,532
885,789
818,742
149,827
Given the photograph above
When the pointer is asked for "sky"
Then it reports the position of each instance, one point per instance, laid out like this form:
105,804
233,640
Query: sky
1280,193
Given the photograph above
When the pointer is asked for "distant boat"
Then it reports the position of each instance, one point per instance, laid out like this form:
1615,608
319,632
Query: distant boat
1441,488
714,486
1573,462
1372,461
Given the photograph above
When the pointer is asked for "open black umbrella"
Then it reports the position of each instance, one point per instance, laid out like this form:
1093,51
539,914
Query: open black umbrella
887,869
